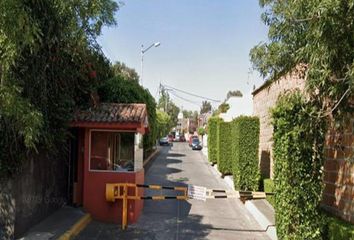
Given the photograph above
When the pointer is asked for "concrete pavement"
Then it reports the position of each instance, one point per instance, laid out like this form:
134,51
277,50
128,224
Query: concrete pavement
192,219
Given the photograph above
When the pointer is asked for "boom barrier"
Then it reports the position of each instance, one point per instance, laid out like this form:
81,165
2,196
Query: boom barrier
115,191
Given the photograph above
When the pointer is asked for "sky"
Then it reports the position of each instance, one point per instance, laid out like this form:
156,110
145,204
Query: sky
204,47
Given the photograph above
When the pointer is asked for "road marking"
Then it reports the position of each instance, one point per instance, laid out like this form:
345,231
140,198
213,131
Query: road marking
77,228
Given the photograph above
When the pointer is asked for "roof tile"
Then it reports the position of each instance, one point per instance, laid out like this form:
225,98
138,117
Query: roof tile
113,113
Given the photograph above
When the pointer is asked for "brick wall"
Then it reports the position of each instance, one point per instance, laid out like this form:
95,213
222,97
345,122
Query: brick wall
338,196
264,98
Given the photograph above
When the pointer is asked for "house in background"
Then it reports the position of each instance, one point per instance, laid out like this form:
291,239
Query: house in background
339,166
203,119
108,149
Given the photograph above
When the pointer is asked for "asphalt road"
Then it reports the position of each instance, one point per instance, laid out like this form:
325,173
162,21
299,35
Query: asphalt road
192,219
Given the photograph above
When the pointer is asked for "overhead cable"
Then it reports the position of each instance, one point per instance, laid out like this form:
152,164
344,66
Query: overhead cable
192,94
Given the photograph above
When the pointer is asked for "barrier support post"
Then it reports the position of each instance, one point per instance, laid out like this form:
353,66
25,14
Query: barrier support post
125,207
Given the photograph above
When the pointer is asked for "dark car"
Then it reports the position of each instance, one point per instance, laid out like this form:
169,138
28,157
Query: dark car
182,138
164,141
196,144
191,139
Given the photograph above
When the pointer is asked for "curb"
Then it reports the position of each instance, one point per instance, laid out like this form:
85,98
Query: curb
151,157
76,228
262,220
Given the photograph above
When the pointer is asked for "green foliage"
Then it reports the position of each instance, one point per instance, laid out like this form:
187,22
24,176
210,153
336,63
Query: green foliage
223,108
49,64
298,157
206,107
169,107
201,131
236,93
302,32
224,146
269,188
213,139
163,123
121,91
338,229
123,71
245,133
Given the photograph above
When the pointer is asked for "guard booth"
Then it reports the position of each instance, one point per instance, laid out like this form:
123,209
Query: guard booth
109,150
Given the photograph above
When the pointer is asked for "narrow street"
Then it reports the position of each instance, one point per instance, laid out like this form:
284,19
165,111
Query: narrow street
192,219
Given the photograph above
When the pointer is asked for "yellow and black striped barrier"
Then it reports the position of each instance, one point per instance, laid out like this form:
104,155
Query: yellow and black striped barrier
116,191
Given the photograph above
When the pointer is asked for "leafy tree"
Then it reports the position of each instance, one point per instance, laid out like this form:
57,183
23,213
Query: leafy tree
236,93
313,39
222,108
169,107
49,64
119,90
187,114
206,107
317,35
163,123
123,71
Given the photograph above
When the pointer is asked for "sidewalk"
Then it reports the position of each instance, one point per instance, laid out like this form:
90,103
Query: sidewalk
55,225
260,209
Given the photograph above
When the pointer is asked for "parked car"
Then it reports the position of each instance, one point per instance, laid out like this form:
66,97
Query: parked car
182,138
196,144
176,139
191,139
164,141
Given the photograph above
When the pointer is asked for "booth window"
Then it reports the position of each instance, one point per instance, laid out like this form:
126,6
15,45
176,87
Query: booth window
112,151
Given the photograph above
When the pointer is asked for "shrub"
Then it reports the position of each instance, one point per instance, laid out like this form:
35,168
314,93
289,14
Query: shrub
269,188
213,139
245,134
224,147
201,131
338,229
298,148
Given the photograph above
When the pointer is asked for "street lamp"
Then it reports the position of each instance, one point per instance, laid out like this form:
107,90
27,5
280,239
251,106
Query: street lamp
143,51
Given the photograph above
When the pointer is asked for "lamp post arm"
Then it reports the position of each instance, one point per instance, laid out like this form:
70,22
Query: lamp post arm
146,49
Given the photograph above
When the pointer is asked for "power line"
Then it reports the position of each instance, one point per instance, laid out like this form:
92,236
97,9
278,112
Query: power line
192,94
187,100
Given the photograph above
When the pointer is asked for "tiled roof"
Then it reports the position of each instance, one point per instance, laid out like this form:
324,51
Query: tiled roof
113,113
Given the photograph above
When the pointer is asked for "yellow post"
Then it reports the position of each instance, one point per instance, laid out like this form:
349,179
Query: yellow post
125,207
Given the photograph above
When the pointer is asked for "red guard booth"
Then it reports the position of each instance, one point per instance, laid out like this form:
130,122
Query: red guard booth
110,150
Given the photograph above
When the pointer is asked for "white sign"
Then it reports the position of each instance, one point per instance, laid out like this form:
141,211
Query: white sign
197,192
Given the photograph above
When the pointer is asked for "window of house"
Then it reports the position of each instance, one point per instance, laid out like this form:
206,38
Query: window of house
112,151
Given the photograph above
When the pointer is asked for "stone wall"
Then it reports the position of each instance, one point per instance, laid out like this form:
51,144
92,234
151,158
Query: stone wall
36,192
264,98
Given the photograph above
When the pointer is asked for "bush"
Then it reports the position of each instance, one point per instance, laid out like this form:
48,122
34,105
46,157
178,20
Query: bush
213,139
298,156
338,229
269,188
224,147
245,134
201,131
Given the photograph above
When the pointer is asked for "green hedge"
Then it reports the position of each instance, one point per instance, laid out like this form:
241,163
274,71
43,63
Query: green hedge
213,139
269,187
225,147
298,157
339,230
245,133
